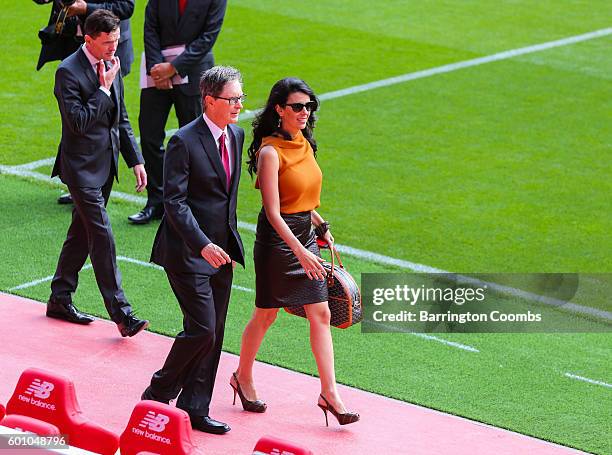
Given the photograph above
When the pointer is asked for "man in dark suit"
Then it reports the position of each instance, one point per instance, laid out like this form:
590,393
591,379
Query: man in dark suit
69,41
193,25
78,12
198,241
95,127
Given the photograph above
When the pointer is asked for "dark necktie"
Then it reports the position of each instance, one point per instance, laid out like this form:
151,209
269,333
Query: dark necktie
100,67
225,159
182,6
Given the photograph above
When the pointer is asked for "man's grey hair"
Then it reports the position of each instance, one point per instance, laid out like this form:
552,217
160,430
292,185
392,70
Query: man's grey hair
214,79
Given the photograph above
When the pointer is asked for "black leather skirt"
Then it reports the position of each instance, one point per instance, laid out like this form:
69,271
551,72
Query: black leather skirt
280,280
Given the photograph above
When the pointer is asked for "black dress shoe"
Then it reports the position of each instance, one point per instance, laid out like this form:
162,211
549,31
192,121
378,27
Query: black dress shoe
131,325
67,312
208,425
149,395
146,215
65,199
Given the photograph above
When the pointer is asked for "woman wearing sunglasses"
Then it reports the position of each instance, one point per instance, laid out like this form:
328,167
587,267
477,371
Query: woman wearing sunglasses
287,261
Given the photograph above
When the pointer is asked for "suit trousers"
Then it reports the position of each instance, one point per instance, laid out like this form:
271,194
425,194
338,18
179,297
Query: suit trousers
90,234
192,362
154,110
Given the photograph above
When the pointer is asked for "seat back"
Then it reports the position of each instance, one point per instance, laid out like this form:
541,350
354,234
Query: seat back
51,397
46,396
271,445
29,424
157,428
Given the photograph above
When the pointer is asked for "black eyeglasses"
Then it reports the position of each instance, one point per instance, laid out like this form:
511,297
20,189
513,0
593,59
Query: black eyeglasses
233,100
297,107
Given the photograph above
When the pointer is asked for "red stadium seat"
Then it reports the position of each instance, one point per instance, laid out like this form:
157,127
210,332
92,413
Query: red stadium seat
157,428
2,411
29,424
51,398
270,445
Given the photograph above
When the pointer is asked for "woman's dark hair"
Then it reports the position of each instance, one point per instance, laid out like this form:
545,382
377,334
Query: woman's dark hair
266,123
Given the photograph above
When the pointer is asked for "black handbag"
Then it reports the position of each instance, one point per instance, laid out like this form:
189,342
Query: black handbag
344,296
60,25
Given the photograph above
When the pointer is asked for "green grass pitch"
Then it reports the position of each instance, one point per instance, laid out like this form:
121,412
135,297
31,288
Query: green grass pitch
499,167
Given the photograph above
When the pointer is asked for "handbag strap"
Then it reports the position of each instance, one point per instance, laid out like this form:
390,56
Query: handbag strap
61,20
330,275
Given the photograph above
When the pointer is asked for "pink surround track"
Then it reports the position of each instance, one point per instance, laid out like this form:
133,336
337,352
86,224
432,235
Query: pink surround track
110,373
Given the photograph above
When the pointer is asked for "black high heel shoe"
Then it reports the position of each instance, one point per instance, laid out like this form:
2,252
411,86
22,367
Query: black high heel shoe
247,405
342,418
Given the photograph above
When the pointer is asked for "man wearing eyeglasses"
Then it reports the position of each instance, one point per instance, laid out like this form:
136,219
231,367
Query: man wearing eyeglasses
197,244
178,39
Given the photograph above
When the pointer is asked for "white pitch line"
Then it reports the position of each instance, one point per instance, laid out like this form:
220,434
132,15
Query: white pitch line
454,344
25,169
248,114
29,284
390,328
466,64
36,164
364,254
590,381
119,258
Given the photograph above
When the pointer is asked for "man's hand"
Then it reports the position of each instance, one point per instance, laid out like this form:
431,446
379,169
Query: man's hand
162,71
78,8
141,177
215,255
163,84
107,77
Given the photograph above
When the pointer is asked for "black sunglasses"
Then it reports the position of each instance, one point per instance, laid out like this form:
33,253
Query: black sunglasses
297,107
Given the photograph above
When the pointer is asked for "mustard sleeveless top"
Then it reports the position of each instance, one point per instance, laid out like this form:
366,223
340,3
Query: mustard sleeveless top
299,175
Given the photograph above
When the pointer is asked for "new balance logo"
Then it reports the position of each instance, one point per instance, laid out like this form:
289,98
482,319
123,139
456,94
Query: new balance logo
155,422
40,389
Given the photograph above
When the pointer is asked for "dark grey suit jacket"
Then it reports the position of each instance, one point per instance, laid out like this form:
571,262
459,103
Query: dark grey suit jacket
94,126
197,29
198,207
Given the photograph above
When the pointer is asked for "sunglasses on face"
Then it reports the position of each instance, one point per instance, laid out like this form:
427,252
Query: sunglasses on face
297,107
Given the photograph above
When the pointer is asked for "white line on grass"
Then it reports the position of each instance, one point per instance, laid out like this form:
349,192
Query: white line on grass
24,170
30,284
590,381
467,64
119,258
390,328
248,114
364,254
36,164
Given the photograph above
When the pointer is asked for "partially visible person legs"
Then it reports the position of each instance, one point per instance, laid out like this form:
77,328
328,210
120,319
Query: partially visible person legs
322,347
64,199
318,315
90,234
191,365
252,337
155,108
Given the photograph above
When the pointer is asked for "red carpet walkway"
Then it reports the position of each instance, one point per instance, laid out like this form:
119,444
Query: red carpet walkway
110,373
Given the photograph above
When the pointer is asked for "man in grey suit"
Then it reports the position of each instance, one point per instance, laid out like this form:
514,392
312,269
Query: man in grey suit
69,41
191,26
197,242
95,127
